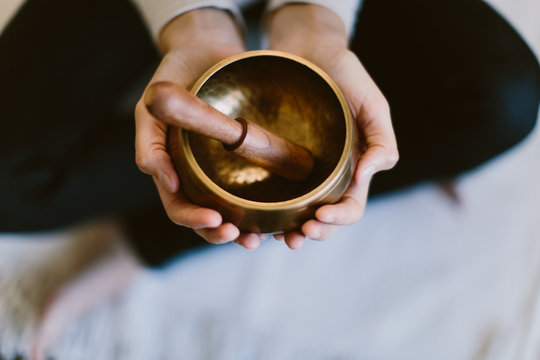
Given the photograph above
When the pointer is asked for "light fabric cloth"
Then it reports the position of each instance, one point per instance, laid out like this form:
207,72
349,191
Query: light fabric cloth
421,277
8,8
157,13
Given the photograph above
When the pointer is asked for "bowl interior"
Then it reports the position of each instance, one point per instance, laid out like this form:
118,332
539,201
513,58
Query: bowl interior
289,99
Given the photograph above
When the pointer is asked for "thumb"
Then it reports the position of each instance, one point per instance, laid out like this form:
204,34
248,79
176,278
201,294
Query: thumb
177,106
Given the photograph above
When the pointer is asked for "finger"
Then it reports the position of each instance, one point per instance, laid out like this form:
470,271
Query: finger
150,137
317,230
222,234
279,237
295,240
349,209
151,153
380,142
371,111
183,212
249,241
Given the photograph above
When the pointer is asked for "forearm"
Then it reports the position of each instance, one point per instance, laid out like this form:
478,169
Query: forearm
300,27
207,27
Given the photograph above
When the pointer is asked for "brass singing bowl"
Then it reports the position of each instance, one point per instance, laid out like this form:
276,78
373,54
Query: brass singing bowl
291,97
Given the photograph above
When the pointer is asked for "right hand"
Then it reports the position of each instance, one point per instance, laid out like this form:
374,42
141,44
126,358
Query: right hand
191,43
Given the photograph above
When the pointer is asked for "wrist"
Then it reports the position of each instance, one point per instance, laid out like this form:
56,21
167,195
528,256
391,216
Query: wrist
298,27
202,27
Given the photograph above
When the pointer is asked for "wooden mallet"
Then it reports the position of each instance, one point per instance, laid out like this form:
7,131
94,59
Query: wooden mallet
178,107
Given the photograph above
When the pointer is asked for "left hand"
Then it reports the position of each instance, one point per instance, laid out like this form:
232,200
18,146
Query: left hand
318,35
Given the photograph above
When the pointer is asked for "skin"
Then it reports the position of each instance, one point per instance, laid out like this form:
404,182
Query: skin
195,41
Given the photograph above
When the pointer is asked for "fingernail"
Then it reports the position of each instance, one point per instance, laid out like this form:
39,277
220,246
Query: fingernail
315,235
165,181
278,237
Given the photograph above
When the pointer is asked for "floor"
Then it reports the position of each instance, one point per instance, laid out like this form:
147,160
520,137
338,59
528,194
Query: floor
420,277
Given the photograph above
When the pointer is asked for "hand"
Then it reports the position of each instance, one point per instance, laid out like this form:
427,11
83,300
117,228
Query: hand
191,43
318,35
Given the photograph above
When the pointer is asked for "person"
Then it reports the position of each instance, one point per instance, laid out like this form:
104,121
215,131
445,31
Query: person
197,40
462,85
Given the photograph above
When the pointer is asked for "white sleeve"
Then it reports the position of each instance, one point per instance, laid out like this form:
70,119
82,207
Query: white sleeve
157,13
345,9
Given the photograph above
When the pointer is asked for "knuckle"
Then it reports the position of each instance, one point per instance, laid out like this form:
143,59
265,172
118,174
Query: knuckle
392,158
333,230
382,104
358,213
142,162
328,233
355,211
387,156
176,219
139,108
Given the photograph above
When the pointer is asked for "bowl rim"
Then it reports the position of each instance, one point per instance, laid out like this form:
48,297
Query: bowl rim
297,202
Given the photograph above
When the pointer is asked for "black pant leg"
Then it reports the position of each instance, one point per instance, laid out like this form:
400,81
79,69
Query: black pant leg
66,146
71,74
461,83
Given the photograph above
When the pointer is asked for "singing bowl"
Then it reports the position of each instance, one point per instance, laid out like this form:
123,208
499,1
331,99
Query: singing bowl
292,98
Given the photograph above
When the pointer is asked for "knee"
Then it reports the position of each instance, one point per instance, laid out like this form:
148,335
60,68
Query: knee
28,185
514,99
506,96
